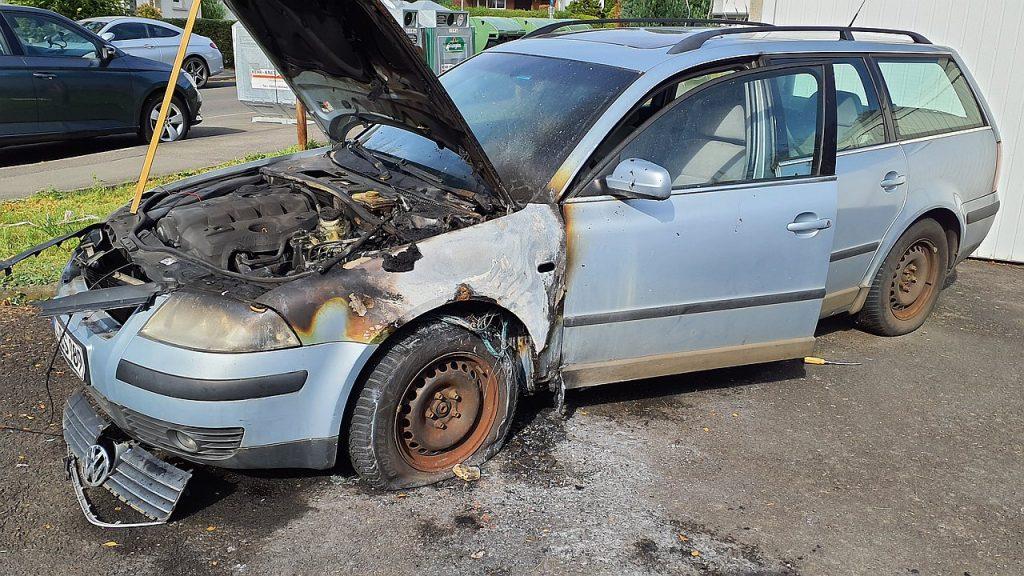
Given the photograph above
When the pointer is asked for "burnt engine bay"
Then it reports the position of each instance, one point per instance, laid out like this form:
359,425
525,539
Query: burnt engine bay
286,220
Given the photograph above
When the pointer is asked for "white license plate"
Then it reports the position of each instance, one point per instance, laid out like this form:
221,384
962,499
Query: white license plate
73,352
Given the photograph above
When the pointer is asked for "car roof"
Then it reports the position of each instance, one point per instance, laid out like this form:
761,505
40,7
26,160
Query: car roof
135,19
643,48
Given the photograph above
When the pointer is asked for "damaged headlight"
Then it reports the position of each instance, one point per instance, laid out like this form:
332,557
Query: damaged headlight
211,324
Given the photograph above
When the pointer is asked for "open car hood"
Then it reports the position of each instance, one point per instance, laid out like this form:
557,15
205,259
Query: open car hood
350,61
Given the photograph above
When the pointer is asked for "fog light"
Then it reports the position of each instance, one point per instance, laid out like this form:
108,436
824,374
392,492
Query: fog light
183,440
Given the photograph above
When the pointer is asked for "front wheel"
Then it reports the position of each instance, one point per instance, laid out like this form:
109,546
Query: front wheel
908,283
438,397
177,125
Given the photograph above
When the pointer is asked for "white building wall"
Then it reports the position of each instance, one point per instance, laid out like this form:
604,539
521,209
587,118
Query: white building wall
988,35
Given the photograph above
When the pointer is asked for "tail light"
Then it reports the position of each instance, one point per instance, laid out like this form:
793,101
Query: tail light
213,45
999,166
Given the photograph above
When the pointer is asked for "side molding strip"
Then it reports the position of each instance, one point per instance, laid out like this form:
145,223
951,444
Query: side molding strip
853,251
692,308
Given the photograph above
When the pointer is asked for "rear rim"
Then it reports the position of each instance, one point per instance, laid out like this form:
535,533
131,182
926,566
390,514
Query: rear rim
447,411
197,70
914,280
173,127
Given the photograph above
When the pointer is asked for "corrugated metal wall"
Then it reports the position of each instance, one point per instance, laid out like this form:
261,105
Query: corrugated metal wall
988,34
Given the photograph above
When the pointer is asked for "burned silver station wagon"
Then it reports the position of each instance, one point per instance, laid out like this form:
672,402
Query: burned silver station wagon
575,208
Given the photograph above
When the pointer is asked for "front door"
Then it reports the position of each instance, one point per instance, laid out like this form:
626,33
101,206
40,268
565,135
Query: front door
76,91
731,268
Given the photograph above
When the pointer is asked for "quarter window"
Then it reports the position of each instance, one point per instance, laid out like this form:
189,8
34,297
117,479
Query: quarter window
929,96
41,36
742,129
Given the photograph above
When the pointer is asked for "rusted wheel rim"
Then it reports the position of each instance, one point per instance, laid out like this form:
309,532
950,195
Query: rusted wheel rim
913,280
447,411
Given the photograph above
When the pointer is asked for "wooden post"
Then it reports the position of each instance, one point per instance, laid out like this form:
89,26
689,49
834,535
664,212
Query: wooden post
147,165
300,124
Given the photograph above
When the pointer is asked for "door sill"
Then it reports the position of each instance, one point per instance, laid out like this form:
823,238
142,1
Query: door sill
597,373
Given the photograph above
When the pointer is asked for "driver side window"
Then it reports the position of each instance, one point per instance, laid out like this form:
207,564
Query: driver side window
42,36
736,130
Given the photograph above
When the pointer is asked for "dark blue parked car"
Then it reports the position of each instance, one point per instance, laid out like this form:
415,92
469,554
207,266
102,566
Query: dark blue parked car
60,81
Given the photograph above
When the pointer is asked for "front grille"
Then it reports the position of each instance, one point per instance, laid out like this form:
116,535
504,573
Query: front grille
214,443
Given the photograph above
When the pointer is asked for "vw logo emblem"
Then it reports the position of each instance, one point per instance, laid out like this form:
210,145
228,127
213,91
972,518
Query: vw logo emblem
97,465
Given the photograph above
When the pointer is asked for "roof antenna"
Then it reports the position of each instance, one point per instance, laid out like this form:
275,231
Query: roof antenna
857,13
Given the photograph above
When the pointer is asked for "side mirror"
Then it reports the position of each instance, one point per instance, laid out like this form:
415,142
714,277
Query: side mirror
108,36
636,178
107,52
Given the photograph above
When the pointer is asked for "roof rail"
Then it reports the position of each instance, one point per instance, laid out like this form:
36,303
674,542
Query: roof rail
661,21
696,40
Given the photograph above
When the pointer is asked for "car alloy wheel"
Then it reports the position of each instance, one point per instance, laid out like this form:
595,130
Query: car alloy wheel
195,68
174,126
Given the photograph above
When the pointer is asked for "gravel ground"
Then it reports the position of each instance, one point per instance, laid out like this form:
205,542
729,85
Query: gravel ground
907,464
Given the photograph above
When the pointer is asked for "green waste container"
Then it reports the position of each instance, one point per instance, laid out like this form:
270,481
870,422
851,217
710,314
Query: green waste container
493,30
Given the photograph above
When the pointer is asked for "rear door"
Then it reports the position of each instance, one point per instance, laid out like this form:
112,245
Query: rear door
133,38
166,42
731,268
18,115
76,91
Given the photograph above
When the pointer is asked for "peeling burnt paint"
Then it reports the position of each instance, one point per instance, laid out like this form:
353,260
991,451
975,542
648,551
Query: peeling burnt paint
495,261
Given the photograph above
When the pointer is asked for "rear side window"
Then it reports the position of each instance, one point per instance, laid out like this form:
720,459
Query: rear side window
129,31
929,96
160,32
859,120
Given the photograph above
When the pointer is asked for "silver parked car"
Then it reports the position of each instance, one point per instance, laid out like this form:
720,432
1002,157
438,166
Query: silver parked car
159,41
571,209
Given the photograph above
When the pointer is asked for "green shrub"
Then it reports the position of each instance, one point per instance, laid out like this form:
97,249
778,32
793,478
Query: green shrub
214,10
217,30
146,10
665,8
586,8
79,9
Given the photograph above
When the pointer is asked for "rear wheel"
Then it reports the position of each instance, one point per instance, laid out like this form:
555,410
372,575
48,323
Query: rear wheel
436,398
197,69
908,283
177,125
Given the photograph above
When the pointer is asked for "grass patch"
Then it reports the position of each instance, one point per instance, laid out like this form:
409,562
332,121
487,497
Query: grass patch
30,221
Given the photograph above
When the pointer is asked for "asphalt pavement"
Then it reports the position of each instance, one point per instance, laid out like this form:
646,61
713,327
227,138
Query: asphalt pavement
226,133
908,464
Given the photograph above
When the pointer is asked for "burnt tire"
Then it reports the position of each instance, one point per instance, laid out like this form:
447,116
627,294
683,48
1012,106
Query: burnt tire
435,398
907,285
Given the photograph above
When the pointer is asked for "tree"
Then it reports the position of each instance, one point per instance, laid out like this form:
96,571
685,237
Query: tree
214,10
585,8
78,9
666,8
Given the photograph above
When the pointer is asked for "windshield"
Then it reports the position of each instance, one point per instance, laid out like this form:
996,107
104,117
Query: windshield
527,112
93,26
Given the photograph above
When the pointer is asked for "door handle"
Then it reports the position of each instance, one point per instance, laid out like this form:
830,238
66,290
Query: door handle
892,180
44,75
810,225
150,46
